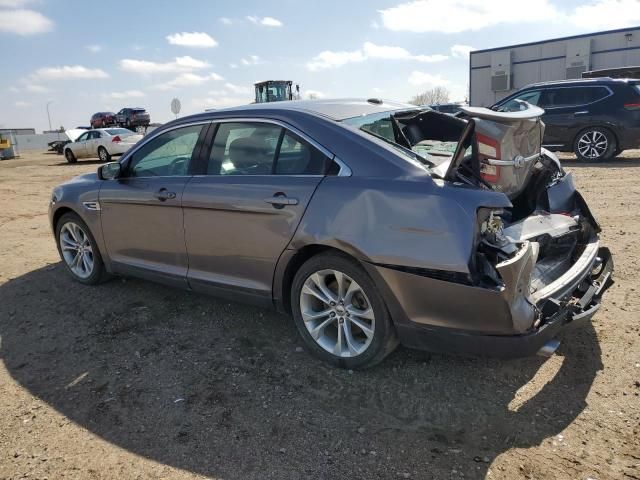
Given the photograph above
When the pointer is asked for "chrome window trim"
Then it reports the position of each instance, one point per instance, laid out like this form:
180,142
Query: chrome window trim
280,123
344,170
542,89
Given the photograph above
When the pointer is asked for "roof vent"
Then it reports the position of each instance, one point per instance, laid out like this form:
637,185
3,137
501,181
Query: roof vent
375,101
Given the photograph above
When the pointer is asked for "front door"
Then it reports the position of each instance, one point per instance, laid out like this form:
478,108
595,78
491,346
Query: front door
242,210
80,145
142,220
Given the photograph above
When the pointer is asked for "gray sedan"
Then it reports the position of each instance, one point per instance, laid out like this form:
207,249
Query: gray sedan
372,223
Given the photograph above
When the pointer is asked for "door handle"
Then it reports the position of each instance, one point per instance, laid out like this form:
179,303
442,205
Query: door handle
280,200
582,112
164,194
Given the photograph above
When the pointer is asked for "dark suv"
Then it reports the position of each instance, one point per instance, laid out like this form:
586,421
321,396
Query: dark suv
133,117
595,118
102,119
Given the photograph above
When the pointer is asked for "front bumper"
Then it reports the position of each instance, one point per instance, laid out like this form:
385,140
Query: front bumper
558,313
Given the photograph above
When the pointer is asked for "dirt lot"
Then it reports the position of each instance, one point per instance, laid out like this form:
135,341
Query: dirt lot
136,380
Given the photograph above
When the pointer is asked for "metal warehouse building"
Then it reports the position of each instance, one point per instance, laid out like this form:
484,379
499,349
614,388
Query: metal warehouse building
497,72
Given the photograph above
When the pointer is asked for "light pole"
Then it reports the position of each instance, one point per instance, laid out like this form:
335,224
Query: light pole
49,116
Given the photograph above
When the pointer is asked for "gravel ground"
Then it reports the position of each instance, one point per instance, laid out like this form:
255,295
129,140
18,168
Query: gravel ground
135,380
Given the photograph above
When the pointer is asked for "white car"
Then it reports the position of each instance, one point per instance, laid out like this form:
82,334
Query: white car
100,142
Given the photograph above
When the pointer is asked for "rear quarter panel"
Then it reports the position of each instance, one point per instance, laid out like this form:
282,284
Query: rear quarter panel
414,222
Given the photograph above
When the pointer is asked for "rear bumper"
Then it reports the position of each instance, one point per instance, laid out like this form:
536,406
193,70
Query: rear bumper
558,313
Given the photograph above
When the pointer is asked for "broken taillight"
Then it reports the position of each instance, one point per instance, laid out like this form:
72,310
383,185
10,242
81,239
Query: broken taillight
488,148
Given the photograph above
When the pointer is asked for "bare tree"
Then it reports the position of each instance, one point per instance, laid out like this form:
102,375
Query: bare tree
434,96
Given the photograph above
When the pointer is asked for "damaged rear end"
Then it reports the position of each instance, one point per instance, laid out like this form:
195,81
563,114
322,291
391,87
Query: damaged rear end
542,254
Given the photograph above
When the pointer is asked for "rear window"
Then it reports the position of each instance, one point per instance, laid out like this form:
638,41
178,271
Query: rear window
118,131
139,110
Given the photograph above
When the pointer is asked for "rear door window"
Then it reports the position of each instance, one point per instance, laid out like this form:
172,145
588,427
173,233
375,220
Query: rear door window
259,148
297,157
572,96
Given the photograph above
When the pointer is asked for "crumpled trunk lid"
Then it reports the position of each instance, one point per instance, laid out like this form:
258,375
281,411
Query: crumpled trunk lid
506,147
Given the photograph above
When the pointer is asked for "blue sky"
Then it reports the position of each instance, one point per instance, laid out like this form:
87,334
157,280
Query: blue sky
88,57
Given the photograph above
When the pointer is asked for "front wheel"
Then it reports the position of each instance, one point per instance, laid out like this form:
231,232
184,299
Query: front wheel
340,313
78,250
595,145
68,154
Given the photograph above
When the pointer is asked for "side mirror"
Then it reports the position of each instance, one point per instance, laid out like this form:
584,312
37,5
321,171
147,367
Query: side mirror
109,171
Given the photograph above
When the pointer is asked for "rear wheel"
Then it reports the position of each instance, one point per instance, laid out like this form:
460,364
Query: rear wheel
78,250
340,313
595,145
103,155
68,154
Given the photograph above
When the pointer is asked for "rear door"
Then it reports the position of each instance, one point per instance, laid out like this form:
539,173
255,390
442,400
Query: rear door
568,110
243,208
142,220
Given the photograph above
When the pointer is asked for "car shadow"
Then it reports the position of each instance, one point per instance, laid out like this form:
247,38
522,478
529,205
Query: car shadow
224,390
616,163
79,163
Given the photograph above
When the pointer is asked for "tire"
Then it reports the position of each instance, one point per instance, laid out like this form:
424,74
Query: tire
68,154
595,144
66,238
103,155
368,348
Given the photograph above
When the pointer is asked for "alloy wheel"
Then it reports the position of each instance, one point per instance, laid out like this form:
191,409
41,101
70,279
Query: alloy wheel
76,250
337,313
593,144
102,154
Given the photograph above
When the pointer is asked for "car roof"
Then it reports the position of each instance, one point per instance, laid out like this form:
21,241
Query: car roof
581,81
336,109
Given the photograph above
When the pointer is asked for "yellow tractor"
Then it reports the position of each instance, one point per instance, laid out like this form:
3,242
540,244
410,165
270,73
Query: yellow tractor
275,91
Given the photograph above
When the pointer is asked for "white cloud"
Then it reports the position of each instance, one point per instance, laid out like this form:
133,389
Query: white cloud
24,22
265,21
35,88
461,51
330,59
606,14
225,21
374,24
15,3
21,104
455,16
240,89
94,48
251,60
178,65
124,94
192,39
233,65
68,72
188,80
427,79
372,50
